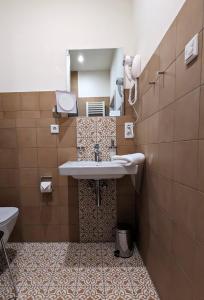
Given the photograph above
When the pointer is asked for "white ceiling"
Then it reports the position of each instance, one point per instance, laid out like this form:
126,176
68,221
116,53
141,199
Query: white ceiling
94,59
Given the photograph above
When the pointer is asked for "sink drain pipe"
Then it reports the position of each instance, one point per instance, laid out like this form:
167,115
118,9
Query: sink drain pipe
98,193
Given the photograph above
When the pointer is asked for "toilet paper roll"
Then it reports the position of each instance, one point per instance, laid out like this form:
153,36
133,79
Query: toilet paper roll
46,186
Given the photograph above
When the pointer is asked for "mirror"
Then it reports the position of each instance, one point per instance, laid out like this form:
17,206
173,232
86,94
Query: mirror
96,78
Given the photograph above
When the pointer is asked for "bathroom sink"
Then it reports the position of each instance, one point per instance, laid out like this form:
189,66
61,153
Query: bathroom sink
96,170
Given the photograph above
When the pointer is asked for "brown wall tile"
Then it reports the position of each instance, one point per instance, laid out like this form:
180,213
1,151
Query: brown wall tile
8,177
201,166
186,120
47,157
167,85
29,177
166,159
47,100
8,158
28,157
30,101
8,138
185,163
191,13
26,137
67,137
150,101
184,250
45,138
10,101
188,77
166,124
201,123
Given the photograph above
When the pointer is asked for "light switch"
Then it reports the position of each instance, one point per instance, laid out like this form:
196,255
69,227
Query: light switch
54,128
191,50
129,130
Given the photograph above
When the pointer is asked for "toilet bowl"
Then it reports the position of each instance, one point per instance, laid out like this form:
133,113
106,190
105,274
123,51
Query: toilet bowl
8,217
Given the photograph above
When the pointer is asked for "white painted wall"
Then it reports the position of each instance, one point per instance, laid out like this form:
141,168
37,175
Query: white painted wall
35,33
151,20
94,84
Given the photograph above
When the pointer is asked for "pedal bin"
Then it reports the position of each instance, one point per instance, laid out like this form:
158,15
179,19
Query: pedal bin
124,244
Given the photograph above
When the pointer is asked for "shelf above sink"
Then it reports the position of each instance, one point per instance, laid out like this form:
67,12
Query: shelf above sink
96,170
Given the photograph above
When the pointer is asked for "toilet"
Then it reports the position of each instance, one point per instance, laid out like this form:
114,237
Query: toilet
8,217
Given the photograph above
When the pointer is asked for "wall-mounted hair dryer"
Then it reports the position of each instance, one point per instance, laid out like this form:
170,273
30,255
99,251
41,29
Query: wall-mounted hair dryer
132,65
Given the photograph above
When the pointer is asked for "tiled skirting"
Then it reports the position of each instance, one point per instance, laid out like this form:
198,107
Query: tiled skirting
96,224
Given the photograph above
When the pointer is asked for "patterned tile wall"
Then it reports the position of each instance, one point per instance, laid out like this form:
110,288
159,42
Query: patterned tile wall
96,224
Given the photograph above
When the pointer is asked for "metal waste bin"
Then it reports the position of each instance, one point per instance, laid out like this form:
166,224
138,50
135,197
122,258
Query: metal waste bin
124,244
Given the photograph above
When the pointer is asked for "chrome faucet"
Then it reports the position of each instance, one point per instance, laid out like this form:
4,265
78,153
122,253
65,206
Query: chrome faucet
97,153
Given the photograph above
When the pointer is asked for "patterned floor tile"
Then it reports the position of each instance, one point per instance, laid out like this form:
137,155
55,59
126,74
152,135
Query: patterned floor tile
64,277
122,293
7,293
41,277
87,293
116,277
90,277
61,293
33,293
145,292
139,276
75,271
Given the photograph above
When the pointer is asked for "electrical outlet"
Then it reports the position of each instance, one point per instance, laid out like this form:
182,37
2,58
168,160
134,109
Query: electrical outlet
54,129
129,130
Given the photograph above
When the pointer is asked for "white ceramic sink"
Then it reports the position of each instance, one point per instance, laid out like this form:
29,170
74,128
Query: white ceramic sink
96,170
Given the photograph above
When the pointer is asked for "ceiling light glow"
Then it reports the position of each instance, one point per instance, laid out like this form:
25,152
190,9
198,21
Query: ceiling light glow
80,58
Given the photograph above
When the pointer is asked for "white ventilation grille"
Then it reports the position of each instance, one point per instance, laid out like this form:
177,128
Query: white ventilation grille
95,108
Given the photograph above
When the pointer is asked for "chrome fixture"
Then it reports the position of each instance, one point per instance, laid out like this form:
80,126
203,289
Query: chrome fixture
97,153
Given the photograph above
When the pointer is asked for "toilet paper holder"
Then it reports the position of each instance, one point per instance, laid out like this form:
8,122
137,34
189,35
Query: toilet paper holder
46,179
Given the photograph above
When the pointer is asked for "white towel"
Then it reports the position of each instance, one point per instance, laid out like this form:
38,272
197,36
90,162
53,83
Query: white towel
129,159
